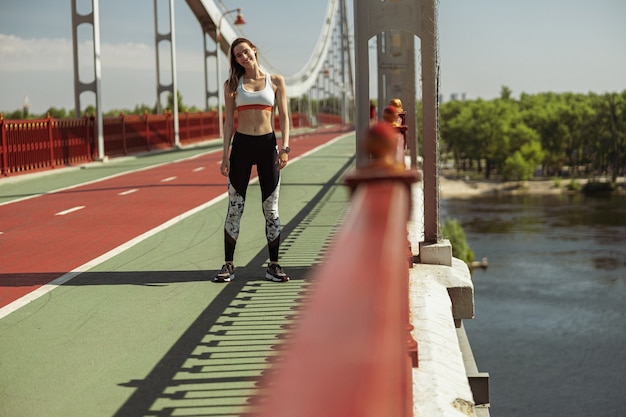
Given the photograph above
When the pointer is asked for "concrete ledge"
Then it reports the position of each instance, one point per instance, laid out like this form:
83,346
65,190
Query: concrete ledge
440,384
457,279
479,381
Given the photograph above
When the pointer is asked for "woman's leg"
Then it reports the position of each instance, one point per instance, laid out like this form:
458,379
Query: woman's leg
238,179
269,180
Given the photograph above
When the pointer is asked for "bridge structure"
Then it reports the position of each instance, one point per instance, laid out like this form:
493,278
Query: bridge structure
116,315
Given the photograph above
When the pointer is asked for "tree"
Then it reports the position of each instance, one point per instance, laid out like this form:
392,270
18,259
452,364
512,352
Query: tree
16,115
90,110
453,231
609,127
57,113
505,93
170,102
516,168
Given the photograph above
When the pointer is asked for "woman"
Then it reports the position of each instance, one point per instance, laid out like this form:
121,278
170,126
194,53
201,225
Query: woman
253,93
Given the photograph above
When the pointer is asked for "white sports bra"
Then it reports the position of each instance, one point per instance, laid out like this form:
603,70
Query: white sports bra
255,100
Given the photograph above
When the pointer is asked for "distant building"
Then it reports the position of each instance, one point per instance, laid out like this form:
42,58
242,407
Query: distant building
26,107
455,97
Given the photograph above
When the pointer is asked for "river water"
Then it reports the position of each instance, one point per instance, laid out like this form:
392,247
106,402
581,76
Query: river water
550,325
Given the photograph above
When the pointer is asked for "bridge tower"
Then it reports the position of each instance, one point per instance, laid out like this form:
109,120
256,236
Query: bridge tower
93,19
172,87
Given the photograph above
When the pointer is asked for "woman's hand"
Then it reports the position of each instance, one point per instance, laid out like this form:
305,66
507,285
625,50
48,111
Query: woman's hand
282,159
225,167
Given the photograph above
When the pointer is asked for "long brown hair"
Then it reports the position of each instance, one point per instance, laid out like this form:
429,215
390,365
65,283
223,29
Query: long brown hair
236,70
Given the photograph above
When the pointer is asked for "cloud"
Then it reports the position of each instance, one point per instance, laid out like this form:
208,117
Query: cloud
55,54
17,54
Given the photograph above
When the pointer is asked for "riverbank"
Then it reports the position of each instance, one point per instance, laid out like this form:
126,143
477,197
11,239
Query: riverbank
450,186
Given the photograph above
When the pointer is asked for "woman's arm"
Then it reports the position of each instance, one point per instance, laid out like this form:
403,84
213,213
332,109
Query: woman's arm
283,109
229,129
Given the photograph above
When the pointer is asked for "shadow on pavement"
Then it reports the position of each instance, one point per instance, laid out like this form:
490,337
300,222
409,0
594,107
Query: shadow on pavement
214,368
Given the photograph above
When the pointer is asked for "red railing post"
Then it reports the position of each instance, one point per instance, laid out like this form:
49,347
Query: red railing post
202,125
5,147
146,116
124,148
169,127
94,135
170,121
88,137
50,139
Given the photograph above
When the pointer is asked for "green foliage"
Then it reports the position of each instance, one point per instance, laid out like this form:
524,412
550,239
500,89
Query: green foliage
16,115
453,231
57,113
516,168
557,182
505,93
573,185
90,110
586,133
170,102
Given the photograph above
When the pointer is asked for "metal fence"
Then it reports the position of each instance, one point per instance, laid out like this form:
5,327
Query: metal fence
35,145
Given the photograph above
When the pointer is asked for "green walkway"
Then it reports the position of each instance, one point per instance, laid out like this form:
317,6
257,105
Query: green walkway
147,333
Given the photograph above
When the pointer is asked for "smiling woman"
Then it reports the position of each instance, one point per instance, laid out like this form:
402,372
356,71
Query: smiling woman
252,92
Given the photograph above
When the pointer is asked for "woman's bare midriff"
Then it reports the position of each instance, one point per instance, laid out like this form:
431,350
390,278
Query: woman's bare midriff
255,122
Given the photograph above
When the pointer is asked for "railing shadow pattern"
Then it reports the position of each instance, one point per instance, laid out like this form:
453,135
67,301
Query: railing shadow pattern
213,370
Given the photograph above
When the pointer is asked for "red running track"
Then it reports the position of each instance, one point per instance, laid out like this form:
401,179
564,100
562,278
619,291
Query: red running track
45,237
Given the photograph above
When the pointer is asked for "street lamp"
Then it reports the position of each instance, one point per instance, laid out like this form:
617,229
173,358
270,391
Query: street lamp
218,40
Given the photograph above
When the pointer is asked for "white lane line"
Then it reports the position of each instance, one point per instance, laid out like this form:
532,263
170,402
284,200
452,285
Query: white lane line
169,179
198,169
82,184
68,211
44,289
134,190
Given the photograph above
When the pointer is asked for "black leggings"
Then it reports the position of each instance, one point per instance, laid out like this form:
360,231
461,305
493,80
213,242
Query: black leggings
248,150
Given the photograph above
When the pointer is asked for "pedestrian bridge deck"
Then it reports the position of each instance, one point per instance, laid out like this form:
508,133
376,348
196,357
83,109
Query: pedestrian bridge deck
144,331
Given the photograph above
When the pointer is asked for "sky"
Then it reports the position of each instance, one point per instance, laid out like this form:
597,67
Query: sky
529,46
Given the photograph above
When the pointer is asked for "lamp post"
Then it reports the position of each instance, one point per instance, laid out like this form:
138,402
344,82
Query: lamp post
218,40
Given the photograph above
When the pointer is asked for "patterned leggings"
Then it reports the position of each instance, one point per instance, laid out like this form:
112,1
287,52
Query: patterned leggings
247,151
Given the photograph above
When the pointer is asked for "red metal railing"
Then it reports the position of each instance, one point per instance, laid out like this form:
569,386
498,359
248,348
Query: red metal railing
349,355
329,119
34,145
352,353
31,145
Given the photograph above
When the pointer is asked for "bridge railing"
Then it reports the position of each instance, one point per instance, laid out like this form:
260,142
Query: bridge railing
351,353
35,145
329,119
349,356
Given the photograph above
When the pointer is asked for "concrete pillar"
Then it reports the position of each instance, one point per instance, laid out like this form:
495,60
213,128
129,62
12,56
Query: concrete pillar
415,17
